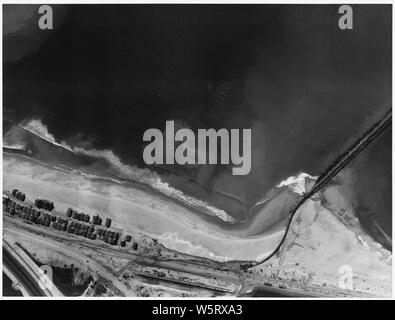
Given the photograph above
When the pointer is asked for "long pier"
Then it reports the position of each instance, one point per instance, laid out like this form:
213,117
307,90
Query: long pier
372,133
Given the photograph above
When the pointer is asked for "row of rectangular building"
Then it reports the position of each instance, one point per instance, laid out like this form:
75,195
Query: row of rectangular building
96,220
74,227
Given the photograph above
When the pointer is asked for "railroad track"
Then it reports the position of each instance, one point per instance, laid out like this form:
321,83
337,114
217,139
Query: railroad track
372,133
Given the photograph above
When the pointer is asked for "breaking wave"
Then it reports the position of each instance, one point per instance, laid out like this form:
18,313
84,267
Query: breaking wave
17,146
297,183
145,176
125,171
36,127
148,177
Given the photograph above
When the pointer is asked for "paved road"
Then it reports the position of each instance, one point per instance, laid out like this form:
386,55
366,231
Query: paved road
327,176
24,277
47,237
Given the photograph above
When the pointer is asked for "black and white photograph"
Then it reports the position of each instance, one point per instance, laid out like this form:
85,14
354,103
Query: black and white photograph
194,150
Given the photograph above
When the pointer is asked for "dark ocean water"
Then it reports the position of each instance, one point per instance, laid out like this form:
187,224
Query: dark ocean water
372,172
108,73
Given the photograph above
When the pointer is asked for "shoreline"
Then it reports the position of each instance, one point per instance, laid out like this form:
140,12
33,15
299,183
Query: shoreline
183,243
199,211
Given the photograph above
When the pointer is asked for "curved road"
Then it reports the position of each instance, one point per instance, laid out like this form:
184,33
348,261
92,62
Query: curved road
372,133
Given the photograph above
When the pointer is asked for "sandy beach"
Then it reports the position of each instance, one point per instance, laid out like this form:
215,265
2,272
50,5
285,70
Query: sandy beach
136,210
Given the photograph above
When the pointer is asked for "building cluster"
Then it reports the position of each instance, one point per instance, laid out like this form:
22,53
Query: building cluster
44,204
128,238
77,223
18,194
77,215
26,212
96,219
